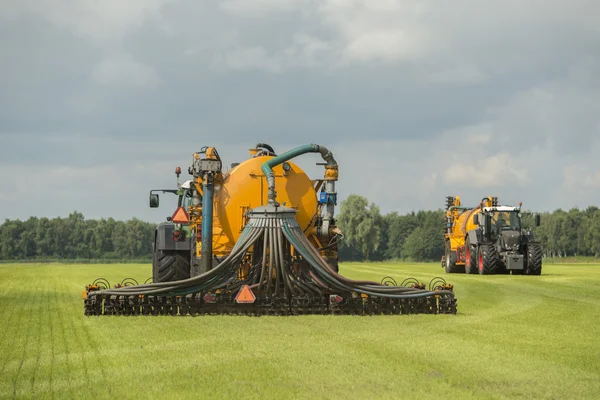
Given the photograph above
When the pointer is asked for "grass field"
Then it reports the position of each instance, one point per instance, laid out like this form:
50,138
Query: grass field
513,337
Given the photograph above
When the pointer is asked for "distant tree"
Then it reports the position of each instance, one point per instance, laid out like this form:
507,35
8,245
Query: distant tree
399,229
368,235
360,224
75,237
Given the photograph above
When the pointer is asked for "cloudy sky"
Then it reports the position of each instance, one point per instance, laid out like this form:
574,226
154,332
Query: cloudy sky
100,100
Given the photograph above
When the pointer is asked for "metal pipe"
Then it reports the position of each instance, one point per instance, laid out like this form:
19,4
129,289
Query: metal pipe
207,220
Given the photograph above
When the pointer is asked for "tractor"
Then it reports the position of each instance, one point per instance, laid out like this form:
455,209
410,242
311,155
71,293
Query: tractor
489,239
258,239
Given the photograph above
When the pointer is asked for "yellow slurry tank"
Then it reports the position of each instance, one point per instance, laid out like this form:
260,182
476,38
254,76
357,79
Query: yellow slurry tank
245,187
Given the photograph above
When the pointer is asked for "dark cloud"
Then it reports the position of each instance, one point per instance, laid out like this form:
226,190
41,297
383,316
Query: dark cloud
417,100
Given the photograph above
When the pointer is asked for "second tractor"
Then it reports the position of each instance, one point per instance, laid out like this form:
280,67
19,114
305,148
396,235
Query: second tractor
489,239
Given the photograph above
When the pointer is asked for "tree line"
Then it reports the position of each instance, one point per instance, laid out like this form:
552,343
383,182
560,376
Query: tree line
74,237
368,235
419,236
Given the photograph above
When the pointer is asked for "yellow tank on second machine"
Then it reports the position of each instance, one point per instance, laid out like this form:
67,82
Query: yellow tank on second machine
460,220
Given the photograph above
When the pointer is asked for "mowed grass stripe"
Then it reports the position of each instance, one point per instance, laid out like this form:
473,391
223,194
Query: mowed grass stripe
38,332
9,312
514,337
27,328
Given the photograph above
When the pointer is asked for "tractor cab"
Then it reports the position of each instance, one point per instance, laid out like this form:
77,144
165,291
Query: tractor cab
504,219
504,227
183,193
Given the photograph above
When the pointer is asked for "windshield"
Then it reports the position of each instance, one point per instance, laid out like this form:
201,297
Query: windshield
185,199
503,220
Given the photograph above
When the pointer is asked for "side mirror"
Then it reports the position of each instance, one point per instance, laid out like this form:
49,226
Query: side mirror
537,219
476,219
153,200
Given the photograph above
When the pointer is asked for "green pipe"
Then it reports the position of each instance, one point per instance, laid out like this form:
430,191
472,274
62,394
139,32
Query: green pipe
267,167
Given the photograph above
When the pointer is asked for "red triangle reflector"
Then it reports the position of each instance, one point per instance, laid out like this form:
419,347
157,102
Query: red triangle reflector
180,216
245,295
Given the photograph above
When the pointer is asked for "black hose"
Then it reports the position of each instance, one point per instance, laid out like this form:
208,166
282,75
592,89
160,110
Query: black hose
265,146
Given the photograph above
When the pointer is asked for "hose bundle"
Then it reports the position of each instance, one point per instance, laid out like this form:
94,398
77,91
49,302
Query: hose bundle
286,273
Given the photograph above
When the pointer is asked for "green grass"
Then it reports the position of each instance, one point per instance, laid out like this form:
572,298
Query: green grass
513,337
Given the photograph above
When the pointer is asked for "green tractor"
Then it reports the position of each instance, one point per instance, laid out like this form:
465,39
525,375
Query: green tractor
172,239
499,244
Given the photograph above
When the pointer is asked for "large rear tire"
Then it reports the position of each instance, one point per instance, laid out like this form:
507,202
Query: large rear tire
487,259
170,265
534,259
470,257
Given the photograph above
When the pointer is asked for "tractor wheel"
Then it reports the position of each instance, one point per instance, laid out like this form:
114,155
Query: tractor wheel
487,259
534,259
170,265
470,258
450,259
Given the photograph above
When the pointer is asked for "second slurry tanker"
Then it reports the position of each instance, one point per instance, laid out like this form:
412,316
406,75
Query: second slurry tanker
489,239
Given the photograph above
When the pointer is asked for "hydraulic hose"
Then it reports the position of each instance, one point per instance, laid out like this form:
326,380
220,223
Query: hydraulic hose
303,247
267,167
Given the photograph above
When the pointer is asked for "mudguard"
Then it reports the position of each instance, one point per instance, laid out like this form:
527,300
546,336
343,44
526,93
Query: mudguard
475,236
164,238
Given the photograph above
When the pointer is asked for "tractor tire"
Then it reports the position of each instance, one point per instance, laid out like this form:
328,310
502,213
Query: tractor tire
487,259
470,258
534,259
450,260
170,265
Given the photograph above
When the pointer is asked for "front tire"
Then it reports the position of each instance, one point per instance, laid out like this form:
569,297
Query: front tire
534,259
470,258
487,259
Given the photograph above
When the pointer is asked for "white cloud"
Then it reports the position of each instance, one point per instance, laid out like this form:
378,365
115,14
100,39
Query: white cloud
580,177
248,58
488,172
122,69
303,52
245,8
105,22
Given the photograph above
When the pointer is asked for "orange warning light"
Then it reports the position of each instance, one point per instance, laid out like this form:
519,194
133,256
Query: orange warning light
245,295
180,216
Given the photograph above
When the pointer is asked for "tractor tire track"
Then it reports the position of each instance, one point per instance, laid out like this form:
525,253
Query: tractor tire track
80,344
93,345
29,301
51,325
12,304
63,334
43,298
